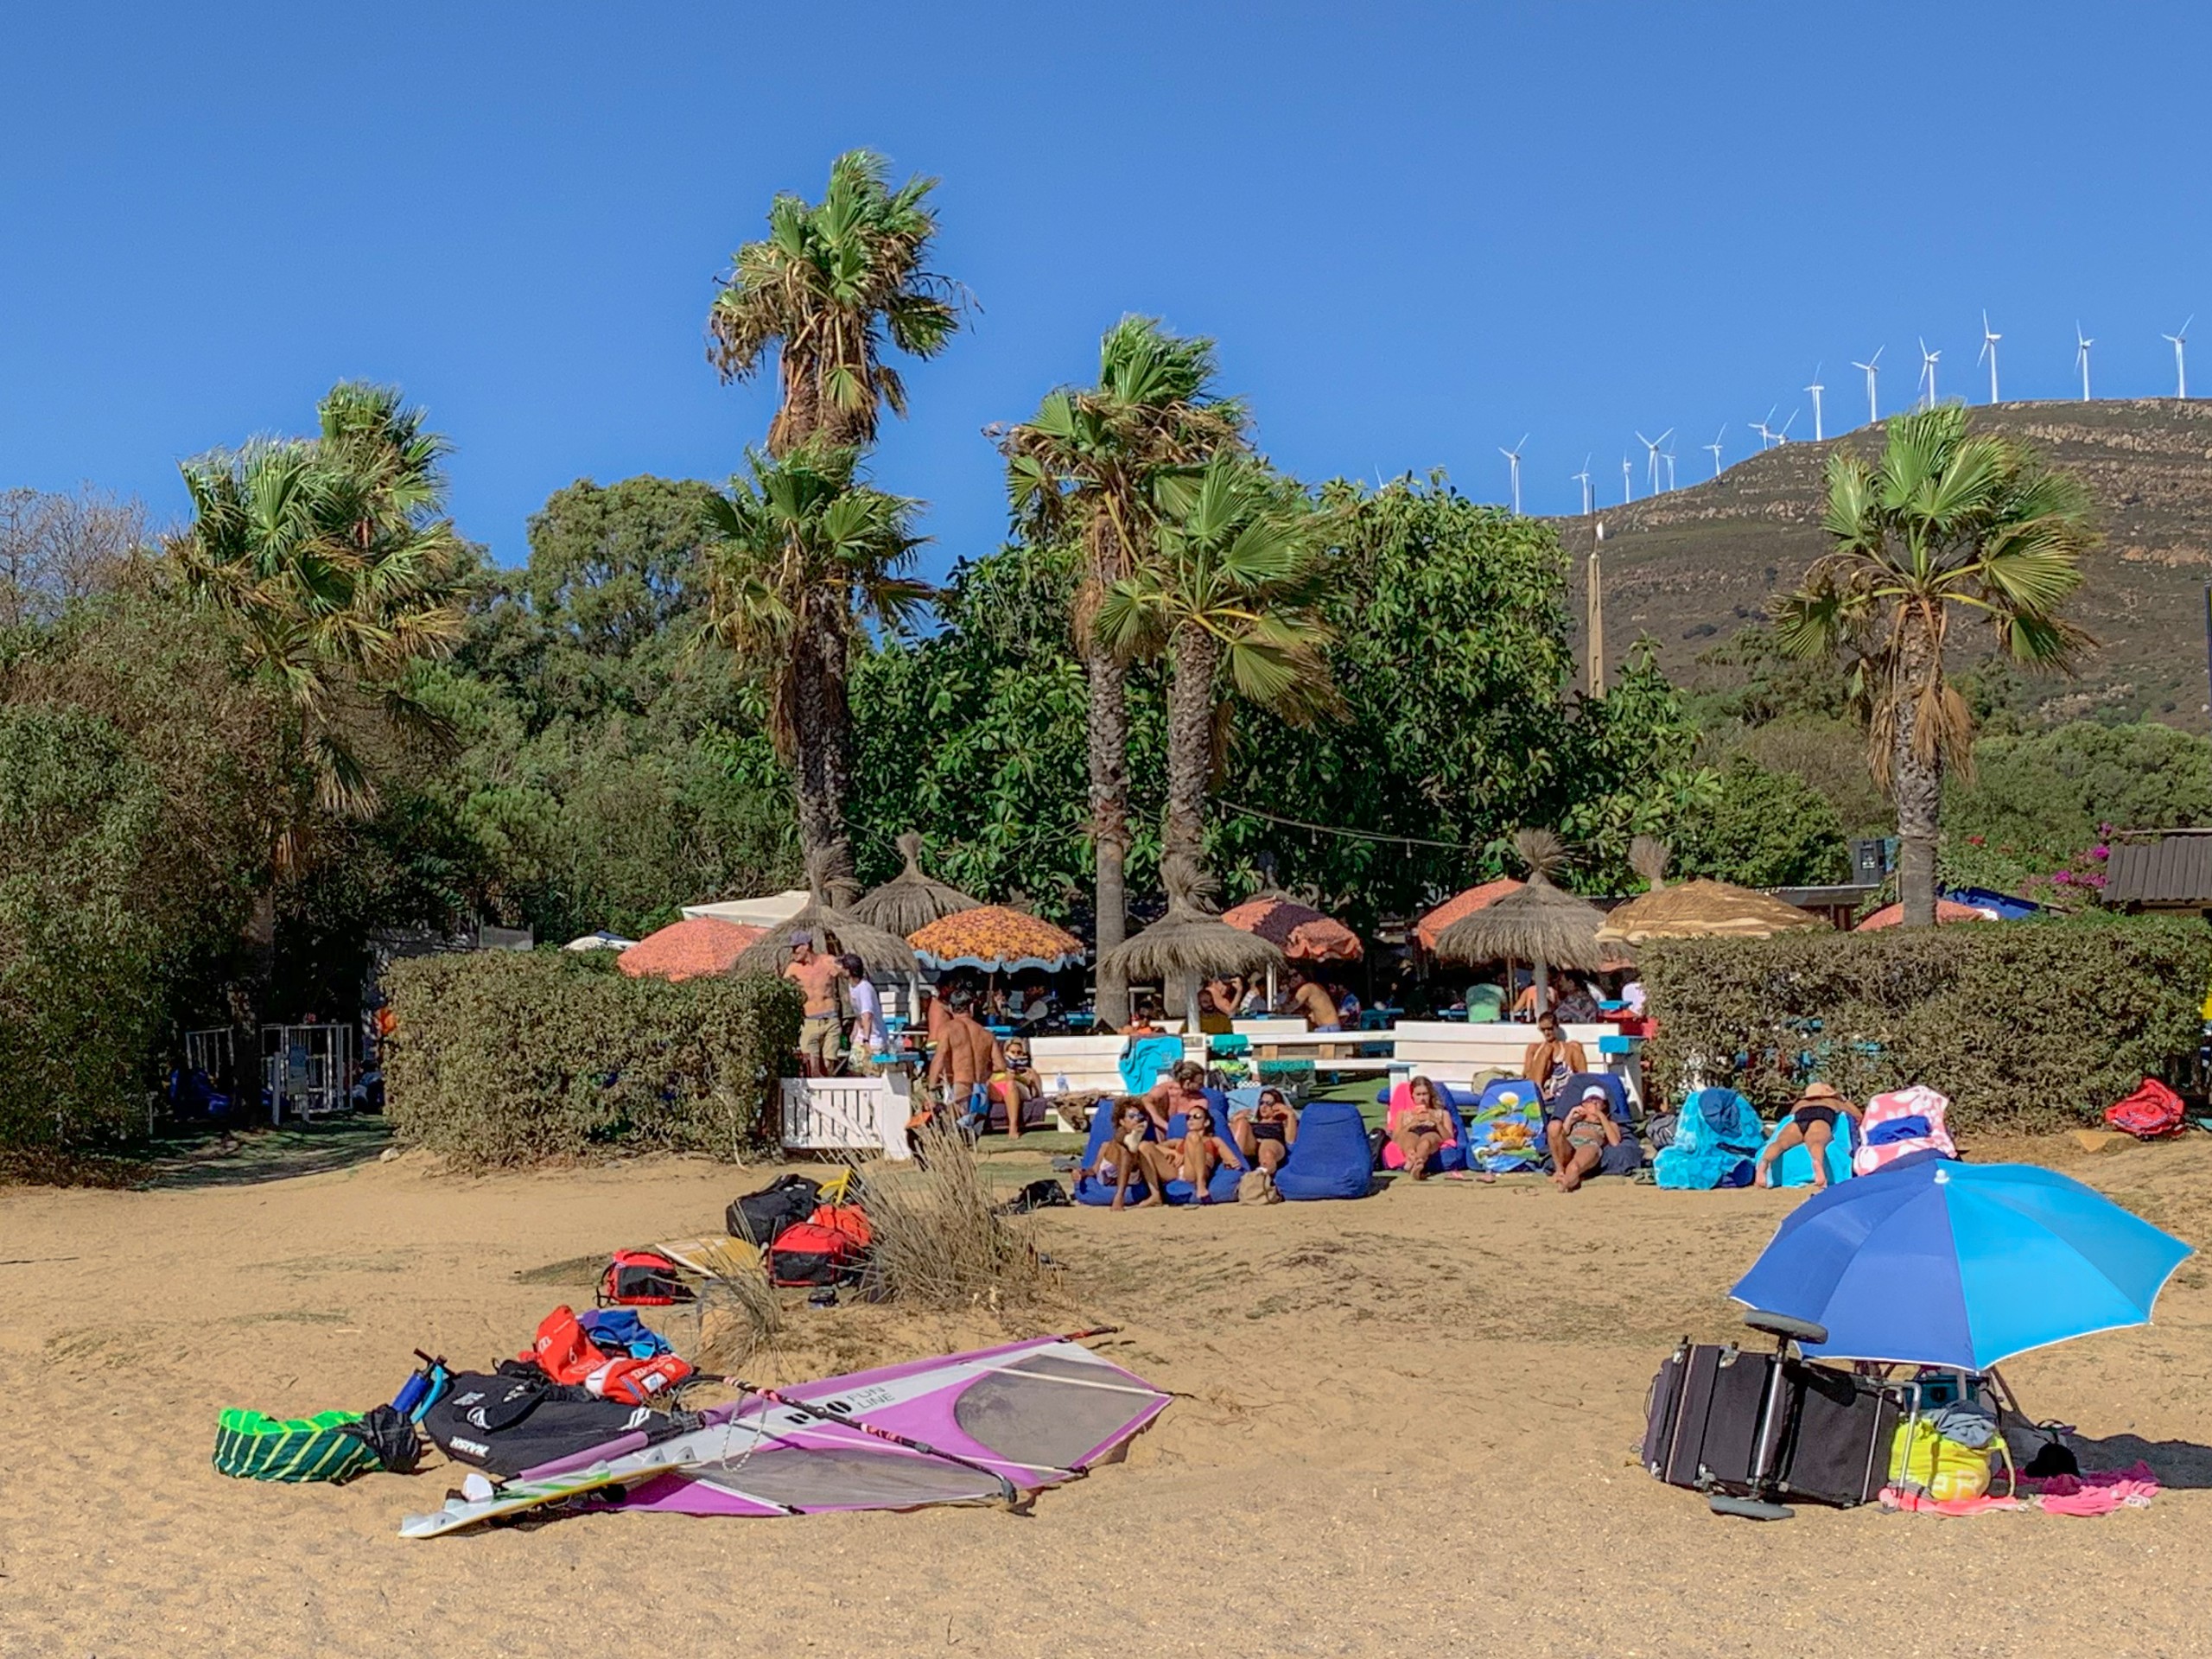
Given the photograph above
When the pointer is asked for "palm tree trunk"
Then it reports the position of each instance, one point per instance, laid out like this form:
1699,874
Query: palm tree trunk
823,724
1196,654
250,1008
1109,743
1918,783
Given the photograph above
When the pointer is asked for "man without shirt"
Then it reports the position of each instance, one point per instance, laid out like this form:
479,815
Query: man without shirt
966,1056
819,1031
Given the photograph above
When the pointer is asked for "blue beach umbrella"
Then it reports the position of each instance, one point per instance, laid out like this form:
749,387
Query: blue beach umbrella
1934,1262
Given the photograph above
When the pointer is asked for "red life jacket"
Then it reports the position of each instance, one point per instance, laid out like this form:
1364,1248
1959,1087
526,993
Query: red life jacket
2151,1111
565,1354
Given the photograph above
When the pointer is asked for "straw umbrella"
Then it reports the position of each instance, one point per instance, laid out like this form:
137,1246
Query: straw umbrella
1698,909
829,929
1190,940
910,900
1540,923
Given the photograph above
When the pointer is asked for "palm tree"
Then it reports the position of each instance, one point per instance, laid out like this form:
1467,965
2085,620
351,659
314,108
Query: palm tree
332,562
1948,524
1104,465
799,555
826,286
1234,596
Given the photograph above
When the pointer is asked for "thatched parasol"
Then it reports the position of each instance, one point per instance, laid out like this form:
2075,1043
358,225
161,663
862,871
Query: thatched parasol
1192,941
1541,924
1698,909
1430,928
910,900
687,950
832,930
996,939
1302,933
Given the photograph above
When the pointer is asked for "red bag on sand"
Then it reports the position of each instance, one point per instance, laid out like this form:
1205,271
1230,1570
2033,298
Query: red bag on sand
826,1248
565,1354
2151,1111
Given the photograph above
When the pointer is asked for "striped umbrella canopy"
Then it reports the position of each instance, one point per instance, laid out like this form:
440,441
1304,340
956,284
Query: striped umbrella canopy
1299,932
996,939
689,950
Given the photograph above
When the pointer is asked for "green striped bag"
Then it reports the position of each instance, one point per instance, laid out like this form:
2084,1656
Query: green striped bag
255,1447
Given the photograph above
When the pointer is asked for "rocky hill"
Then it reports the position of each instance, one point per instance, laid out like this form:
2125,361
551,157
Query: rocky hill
1692,566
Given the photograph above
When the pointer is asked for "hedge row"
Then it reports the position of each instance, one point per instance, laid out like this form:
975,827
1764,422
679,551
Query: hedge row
2027,1025
510,1057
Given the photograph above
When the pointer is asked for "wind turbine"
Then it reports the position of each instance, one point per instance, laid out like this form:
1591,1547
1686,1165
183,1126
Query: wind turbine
1783,436
1628,487
1816,389
1513,460
1715,447
1766,433
2181,367
1927,373
1989,340
1669,459
1873,414
1583,479
2082,345
1651,448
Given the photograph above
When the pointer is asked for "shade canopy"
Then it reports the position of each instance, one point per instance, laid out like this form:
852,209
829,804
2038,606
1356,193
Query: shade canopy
1947,912
1541,924
1703,910
910,900
1189,939
1430,928
1933,1263
832,930
1299,932
997,940
689,949
765,911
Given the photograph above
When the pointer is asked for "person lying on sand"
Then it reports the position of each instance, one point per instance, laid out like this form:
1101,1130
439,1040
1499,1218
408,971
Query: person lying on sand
1424,1129
1578,1140
1123,1162
1812,1125
1266,1134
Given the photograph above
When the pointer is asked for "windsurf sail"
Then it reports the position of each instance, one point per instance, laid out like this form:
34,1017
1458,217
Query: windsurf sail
1032,1414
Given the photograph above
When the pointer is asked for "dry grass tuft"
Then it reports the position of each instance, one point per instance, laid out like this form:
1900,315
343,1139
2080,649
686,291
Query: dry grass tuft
740,1318
939,1240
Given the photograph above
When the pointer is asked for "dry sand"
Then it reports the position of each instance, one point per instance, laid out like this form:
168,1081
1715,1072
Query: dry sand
1405,1426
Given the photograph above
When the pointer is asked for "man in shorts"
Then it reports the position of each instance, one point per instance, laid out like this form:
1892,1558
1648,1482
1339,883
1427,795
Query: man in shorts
820,1030
961,1068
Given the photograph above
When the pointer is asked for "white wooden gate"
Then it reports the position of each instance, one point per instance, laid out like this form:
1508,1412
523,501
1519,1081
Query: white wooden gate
848,1115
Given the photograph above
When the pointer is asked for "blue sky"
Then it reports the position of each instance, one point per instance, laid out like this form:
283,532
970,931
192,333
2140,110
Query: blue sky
1417,232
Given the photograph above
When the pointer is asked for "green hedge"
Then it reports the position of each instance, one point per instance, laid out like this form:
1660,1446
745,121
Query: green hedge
513,1058
2023,1025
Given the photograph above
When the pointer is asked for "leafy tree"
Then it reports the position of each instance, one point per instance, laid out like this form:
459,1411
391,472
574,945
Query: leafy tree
1946,523
1234,597
1763,830
826,287
801,556
334,572
1103,467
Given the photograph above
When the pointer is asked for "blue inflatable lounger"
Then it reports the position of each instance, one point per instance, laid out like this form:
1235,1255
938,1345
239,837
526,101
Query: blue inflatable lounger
1222,1189
1329,1158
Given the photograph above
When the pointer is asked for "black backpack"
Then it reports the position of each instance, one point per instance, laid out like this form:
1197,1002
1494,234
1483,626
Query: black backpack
759,1216
515,1421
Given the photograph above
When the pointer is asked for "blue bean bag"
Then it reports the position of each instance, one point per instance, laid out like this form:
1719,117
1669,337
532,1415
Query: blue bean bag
1329,1158
1795,1167
1220,1189
1716,1139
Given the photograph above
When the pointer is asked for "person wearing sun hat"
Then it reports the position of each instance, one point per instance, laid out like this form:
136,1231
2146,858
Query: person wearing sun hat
1811,1124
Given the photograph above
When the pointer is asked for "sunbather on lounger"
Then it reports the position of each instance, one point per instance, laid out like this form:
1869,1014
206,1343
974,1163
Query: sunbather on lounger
1125,1161
1203,1150
1578,1140
1812,1125
1267,1133
1420,1133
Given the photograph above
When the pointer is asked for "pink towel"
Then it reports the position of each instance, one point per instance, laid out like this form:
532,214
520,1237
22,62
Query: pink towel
2095,1491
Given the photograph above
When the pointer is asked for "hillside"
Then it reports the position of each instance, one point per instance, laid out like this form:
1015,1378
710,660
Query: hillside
1692,566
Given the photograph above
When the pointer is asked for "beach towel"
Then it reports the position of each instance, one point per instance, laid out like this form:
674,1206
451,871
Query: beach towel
1144,1059
1900,1123
1795,1167
1505,1131
1451,1156
1715,1142
1330,1158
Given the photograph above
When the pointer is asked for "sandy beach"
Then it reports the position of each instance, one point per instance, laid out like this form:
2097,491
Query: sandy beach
1404,1426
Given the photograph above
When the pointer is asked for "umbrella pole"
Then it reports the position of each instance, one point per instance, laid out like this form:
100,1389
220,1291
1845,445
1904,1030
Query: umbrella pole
1544,985
1272,994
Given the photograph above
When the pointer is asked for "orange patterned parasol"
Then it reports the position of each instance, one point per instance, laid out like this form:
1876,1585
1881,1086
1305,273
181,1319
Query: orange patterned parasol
1430,927
1299,932
687,950
995,940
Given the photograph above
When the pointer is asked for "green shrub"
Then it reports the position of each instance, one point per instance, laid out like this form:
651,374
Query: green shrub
81,1008
511,1058
2023,1025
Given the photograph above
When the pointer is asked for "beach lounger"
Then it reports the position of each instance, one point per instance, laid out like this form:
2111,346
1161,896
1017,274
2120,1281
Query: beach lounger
1795,1167
1716,1142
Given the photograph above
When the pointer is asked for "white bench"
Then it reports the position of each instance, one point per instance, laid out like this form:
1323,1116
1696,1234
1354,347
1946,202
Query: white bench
1453,1052
848,1115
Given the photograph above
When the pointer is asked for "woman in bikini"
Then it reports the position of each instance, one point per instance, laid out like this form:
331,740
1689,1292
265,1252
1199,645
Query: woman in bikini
1578,1140
1424,1129
1266,1134
1812,1124
1130,1156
